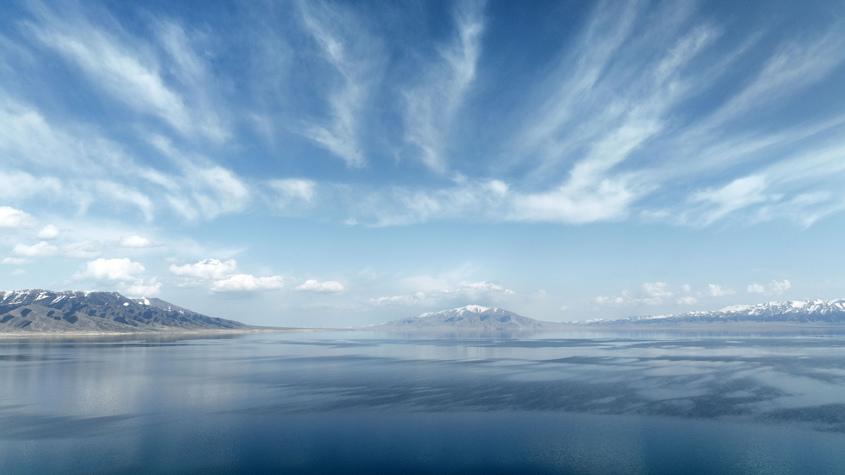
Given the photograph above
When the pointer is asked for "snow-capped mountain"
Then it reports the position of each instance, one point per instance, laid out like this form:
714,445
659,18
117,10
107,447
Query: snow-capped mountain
37,310
468,318
790,311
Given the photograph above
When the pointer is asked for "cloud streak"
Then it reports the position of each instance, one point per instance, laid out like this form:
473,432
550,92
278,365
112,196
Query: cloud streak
431,105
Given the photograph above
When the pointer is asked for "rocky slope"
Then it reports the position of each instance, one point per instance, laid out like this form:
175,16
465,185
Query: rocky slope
36,310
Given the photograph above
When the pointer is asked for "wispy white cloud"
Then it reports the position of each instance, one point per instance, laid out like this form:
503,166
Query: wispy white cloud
793,67
125,67
353,54
39,249
206,269
736,195
598,116
394,206
14,261
237,283
431,104
85,249
434,291
802,187
291,195
75,165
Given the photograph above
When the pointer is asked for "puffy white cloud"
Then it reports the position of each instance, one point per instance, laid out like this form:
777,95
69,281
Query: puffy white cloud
206,269
623,298
14,218
221,276
651,293
656,291
135,242
322,287
660,293
247,283
780,286
48,232
116,269
39,249
755,288
716,290
775,287
143,288
126,273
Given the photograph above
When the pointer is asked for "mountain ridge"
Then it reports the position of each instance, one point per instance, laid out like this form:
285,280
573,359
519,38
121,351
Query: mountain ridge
467,318
785,311
47,311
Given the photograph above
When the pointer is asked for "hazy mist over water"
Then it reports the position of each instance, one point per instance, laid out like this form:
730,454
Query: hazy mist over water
317,402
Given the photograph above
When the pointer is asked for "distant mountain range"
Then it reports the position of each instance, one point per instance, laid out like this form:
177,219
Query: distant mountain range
470,318
36,310
790,311
480,319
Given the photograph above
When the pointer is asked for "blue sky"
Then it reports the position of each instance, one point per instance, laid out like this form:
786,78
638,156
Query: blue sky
345,163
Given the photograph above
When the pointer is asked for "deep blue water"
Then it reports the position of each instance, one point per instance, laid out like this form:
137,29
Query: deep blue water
355,402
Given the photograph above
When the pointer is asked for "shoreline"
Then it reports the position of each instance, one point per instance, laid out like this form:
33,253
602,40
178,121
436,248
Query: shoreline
152,333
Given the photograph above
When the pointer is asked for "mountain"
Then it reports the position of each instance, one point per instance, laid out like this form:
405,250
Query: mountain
473,318
790,311
36,310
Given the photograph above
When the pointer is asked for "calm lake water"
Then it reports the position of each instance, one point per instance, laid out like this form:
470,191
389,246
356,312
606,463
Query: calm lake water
347,402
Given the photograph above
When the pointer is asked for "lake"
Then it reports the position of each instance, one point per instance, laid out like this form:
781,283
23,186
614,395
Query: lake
359,402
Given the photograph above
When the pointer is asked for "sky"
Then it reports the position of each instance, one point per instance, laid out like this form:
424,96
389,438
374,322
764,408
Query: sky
335,164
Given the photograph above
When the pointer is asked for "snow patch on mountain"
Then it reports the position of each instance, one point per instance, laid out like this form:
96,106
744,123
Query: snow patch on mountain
468,318
817,310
